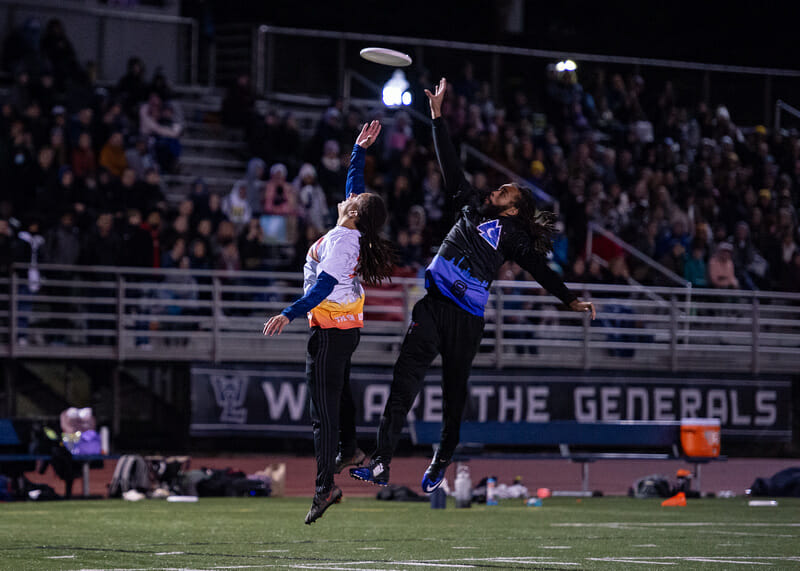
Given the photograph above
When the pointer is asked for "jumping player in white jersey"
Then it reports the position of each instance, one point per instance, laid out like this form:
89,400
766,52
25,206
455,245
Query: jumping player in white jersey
336,265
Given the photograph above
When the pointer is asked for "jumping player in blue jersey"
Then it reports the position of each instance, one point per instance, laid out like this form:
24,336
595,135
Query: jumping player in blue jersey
491,228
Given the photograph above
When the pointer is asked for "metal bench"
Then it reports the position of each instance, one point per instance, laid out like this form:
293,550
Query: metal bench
630,440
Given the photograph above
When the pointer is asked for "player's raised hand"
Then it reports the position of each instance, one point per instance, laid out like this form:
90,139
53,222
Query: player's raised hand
435,99
369,132
275,325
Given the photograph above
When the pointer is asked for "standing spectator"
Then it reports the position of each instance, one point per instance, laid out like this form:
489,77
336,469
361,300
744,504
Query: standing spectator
132,87
57,48
237,106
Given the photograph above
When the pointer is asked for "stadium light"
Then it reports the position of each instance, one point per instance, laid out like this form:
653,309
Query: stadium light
570,65
395,91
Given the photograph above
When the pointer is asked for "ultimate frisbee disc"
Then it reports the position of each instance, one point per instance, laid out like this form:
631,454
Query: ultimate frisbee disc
386,56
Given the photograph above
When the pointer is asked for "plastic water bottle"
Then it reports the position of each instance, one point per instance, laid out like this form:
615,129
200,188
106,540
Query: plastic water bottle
438,499
463,487
491,500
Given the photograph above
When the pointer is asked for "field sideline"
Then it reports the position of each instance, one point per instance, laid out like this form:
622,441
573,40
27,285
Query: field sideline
362,533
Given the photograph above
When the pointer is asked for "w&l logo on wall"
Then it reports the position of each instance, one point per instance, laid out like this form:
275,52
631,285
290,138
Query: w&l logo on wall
230,392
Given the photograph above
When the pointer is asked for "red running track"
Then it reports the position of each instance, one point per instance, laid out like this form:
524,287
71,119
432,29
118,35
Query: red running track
610,477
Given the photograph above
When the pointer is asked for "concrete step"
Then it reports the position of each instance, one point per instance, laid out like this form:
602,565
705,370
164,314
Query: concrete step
206,162
213,144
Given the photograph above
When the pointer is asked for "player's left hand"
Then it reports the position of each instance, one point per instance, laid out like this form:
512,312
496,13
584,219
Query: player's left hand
275,325
368,134
582,306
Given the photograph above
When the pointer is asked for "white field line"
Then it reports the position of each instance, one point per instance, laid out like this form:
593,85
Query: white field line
707,560
613,524
61,557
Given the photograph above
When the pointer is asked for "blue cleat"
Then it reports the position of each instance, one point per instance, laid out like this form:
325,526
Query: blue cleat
434,475
376,472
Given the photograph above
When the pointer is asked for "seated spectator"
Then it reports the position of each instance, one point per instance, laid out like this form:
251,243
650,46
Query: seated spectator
158,121
254,184
112,155
251,246
331,174
236,207
313,202
83,160
750,266
62,243
694,265
721,271
137,243
280,199
138,157
198,255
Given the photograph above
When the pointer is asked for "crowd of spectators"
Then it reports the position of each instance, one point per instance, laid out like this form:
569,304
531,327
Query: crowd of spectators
715,203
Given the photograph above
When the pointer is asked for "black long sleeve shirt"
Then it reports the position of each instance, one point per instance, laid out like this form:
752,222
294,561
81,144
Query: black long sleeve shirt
475,247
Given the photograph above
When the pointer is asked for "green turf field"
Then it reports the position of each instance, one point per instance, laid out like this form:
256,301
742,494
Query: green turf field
361,533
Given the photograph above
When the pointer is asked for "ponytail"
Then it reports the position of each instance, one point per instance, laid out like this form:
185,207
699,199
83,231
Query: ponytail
376,254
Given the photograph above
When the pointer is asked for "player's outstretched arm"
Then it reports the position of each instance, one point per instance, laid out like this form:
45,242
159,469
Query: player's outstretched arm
435,99
355,174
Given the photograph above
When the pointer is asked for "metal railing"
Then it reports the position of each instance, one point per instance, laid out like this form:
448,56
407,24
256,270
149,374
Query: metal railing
125,314
90,32
339,50
783,106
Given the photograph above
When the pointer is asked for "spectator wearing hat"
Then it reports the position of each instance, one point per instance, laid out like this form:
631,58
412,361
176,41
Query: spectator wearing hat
721,270
313,202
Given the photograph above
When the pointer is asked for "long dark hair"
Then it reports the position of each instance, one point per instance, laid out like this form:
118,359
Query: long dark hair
376,253
538,224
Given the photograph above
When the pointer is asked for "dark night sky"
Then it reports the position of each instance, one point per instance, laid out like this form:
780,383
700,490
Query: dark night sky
737,33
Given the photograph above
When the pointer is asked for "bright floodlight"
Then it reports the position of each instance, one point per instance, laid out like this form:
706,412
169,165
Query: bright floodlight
560,66
569,65
395,91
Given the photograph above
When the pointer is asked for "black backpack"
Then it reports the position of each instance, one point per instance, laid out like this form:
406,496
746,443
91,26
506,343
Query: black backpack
132,473
653,486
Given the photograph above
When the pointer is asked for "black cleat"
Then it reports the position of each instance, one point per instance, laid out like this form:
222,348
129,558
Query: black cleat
356,459
322,502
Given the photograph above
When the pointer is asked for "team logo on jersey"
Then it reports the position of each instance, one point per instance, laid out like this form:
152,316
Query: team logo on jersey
490,231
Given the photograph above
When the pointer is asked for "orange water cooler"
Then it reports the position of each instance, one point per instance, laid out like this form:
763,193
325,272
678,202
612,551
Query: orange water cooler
700,437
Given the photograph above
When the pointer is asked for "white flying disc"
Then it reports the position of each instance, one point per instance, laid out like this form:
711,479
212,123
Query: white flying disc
386,56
